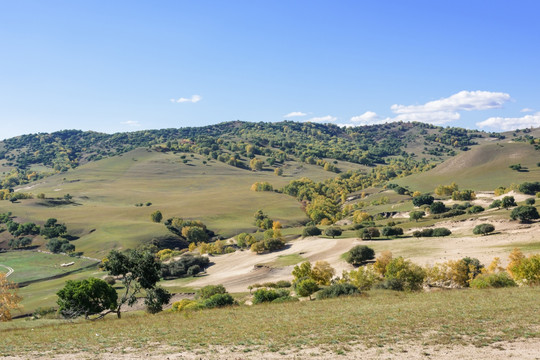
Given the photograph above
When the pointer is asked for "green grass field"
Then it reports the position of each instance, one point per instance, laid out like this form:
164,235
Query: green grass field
31,265
105,192
376,319
484,167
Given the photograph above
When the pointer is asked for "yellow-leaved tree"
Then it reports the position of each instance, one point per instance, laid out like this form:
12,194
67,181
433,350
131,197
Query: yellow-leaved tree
9,300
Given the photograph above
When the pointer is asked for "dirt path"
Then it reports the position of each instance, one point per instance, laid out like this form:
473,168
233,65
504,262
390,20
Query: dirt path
9,269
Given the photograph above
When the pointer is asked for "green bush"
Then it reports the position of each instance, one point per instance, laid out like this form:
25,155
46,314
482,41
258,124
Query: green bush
359,255
283,284
495,204
530,201
210,290
483,229
337,290
475,209
437,232
409,275
219,300
525,213
437,207
423,233
268,295
311,231
391,231
497,280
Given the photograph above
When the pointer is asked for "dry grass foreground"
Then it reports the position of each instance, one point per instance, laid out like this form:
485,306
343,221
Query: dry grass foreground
381,324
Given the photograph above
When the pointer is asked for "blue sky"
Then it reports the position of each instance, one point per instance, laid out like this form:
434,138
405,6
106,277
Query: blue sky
130,65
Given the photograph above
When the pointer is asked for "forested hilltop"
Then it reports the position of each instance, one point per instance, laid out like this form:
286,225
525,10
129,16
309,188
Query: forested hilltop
30,157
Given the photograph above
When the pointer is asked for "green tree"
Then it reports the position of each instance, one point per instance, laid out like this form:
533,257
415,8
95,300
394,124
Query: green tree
86,297
306,287
359,255
333,231
525,213
483,229
156,216
140,271
311,231
437,207
416,215
508,201
424,199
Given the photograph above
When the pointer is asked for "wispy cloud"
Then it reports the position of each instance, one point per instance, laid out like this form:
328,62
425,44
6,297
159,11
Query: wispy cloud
527,110
192,99
440,111
294,114
132,123
505,123
369,117
323,119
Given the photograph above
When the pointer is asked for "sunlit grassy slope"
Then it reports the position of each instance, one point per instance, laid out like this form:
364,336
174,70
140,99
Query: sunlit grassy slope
105,192
484,167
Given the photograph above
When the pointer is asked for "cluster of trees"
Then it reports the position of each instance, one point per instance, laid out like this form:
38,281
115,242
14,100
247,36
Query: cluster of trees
262,186
192,231
186,265
432,232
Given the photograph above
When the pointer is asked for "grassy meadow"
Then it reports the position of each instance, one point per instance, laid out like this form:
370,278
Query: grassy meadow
375,319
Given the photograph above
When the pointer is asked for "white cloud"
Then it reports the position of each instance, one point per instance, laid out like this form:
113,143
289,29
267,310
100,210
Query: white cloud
192,99
323,119
294,114
369,117
346,125
505,124
462,101
440,111
527,110
131,123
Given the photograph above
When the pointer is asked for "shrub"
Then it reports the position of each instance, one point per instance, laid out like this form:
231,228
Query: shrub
495,204
424,199
267,295
306,287
363,278
359,255
391,231
322,273
525,213
181,266
496,280
311,231
193,270
452,213
369,233
475,209
508,201
423,233
483,229
530,201
337,290
209,291
437,207
529,188
526,269
416,215
464,195
438,232
156,216
409,275
283,284
219,300
284,299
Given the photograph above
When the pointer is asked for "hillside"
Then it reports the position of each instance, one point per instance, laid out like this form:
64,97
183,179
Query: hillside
484,167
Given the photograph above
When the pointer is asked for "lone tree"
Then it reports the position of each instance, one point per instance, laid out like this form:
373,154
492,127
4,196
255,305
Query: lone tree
156,216
508,201
359,255
140,271
306,287
86,297
525,213
483,229
333,231
416,215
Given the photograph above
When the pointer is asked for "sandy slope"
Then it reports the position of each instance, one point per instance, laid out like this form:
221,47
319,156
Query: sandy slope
238,270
